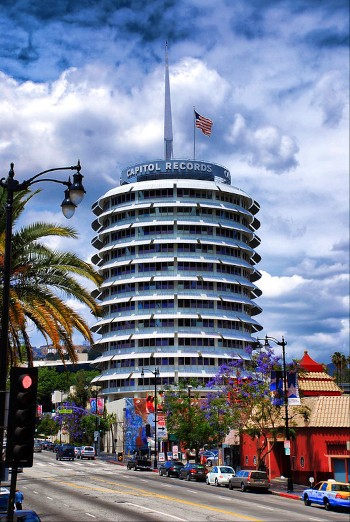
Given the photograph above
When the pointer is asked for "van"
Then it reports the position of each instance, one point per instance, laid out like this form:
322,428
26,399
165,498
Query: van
65,452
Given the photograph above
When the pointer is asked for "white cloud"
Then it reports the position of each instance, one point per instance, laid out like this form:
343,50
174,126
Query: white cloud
275,286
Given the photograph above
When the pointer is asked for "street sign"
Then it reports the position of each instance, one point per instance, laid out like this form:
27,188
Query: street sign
65,411
287,444
175,452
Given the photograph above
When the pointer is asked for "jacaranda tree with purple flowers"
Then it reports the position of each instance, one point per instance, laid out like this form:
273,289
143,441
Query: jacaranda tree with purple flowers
241,392
72,422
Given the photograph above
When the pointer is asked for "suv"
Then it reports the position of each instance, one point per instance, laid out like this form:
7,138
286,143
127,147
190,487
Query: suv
86,452
250,479
65,452
170,468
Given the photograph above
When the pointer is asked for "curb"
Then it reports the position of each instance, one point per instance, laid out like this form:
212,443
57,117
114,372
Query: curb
286,495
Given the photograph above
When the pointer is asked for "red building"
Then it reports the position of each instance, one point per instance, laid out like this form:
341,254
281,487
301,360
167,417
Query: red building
321,446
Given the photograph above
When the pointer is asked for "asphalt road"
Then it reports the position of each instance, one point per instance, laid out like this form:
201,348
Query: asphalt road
102,491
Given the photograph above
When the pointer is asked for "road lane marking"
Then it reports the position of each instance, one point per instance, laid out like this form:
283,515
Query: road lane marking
141,492
50,498
89,515
151,510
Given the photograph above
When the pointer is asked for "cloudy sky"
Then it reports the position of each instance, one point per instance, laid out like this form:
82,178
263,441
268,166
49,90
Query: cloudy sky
85,79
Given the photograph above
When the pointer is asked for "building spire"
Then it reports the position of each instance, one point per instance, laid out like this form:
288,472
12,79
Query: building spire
168,126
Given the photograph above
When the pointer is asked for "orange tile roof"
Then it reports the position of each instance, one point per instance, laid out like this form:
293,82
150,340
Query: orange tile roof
331,412
317,383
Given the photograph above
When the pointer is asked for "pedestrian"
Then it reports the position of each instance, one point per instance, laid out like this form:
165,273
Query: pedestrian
18,499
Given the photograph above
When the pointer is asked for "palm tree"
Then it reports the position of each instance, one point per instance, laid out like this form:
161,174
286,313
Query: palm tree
41,280
339,361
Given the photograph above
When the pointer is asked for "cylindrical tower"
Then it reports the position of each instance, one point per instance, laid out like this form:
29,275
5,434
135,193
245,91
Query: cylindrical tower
175,247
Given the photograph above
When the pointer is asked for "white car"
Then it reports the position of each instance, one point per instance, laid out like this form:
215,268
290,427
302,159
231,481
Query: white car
220,476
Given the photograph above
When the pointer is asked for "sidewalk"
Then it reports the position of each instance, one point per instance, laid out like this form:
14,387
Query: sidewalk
278,485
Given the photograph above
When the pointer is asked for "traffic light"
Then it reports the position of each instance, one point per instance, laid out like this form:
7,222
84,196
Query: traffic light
22,417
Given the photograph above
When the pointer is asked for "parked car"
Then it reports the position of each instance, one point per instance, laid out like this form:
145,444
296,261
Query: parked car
220,475
328,493
87,452
170,468
65,452
209,457
193,471
250,479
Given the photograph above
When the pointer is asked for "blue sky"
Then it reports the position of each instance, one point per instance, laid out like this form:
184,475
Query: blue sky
84,79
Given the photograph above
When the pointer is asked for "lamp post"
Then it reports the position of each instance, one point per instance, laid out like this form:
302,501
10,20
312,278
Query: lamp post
155,373
73,196
283,343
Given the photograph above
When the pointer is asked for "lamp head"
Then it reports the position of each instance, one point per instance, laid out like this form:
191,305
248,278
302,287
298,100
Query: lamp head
76,190
68,207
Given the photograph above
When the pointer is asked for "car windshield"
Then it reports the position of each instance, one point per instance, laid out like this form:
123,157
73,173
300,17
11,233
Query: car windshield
226,470
341,487
88,448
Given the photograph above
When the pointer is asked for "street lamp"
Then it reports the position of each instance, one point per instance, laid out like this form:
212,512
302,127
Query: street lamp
73,196
283,343
155,373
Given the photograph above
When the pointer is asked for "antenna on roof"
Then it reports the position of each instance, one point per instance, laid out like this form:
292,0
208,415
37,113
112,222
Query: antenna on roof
168,126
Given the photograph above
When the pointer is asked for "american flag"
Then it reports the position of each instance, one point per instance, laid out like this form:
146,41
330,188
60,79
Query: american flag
204,124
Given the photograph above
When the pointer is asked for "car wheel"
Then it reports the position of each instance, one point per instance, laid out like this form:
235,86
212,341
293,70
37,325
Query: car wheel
230,486
188,478
327,505
243,486
217,483
306,500
209,462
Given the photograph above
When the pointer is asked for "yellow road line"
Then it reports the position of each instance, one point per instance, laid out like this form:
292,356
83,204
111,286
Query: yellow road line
144,493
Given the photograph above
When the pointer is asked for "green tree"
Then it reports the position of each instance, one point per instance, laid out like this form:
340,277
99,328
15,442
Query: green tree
82,387
39,275
187,419
48,427
90,424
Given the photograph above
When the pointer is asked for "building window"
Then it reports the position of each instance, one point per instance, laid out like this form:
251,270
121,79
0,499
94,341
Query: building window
254,460
302,462
246,460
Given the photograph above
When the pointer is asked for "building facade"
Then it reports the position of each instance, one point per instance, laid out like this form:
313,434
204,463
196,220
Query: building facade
176,248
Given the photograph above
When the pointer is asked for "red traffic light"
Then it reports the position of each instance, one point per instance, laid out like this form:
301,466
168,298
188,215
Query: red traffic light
27,381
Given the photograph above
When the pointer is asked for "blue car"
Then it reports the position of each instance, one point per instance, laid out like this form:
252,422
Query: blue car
23,515
328,493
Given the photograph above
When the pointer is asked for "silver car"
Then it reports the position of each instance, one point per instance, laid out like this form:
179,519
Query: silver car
250,479
86,452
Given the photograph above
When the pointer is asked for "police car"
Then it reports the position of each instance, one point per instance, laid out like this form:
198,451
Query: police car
328,493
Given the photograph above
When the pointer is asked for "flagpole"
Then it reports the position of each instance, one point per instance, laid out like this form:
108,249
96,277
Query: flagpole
194,132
